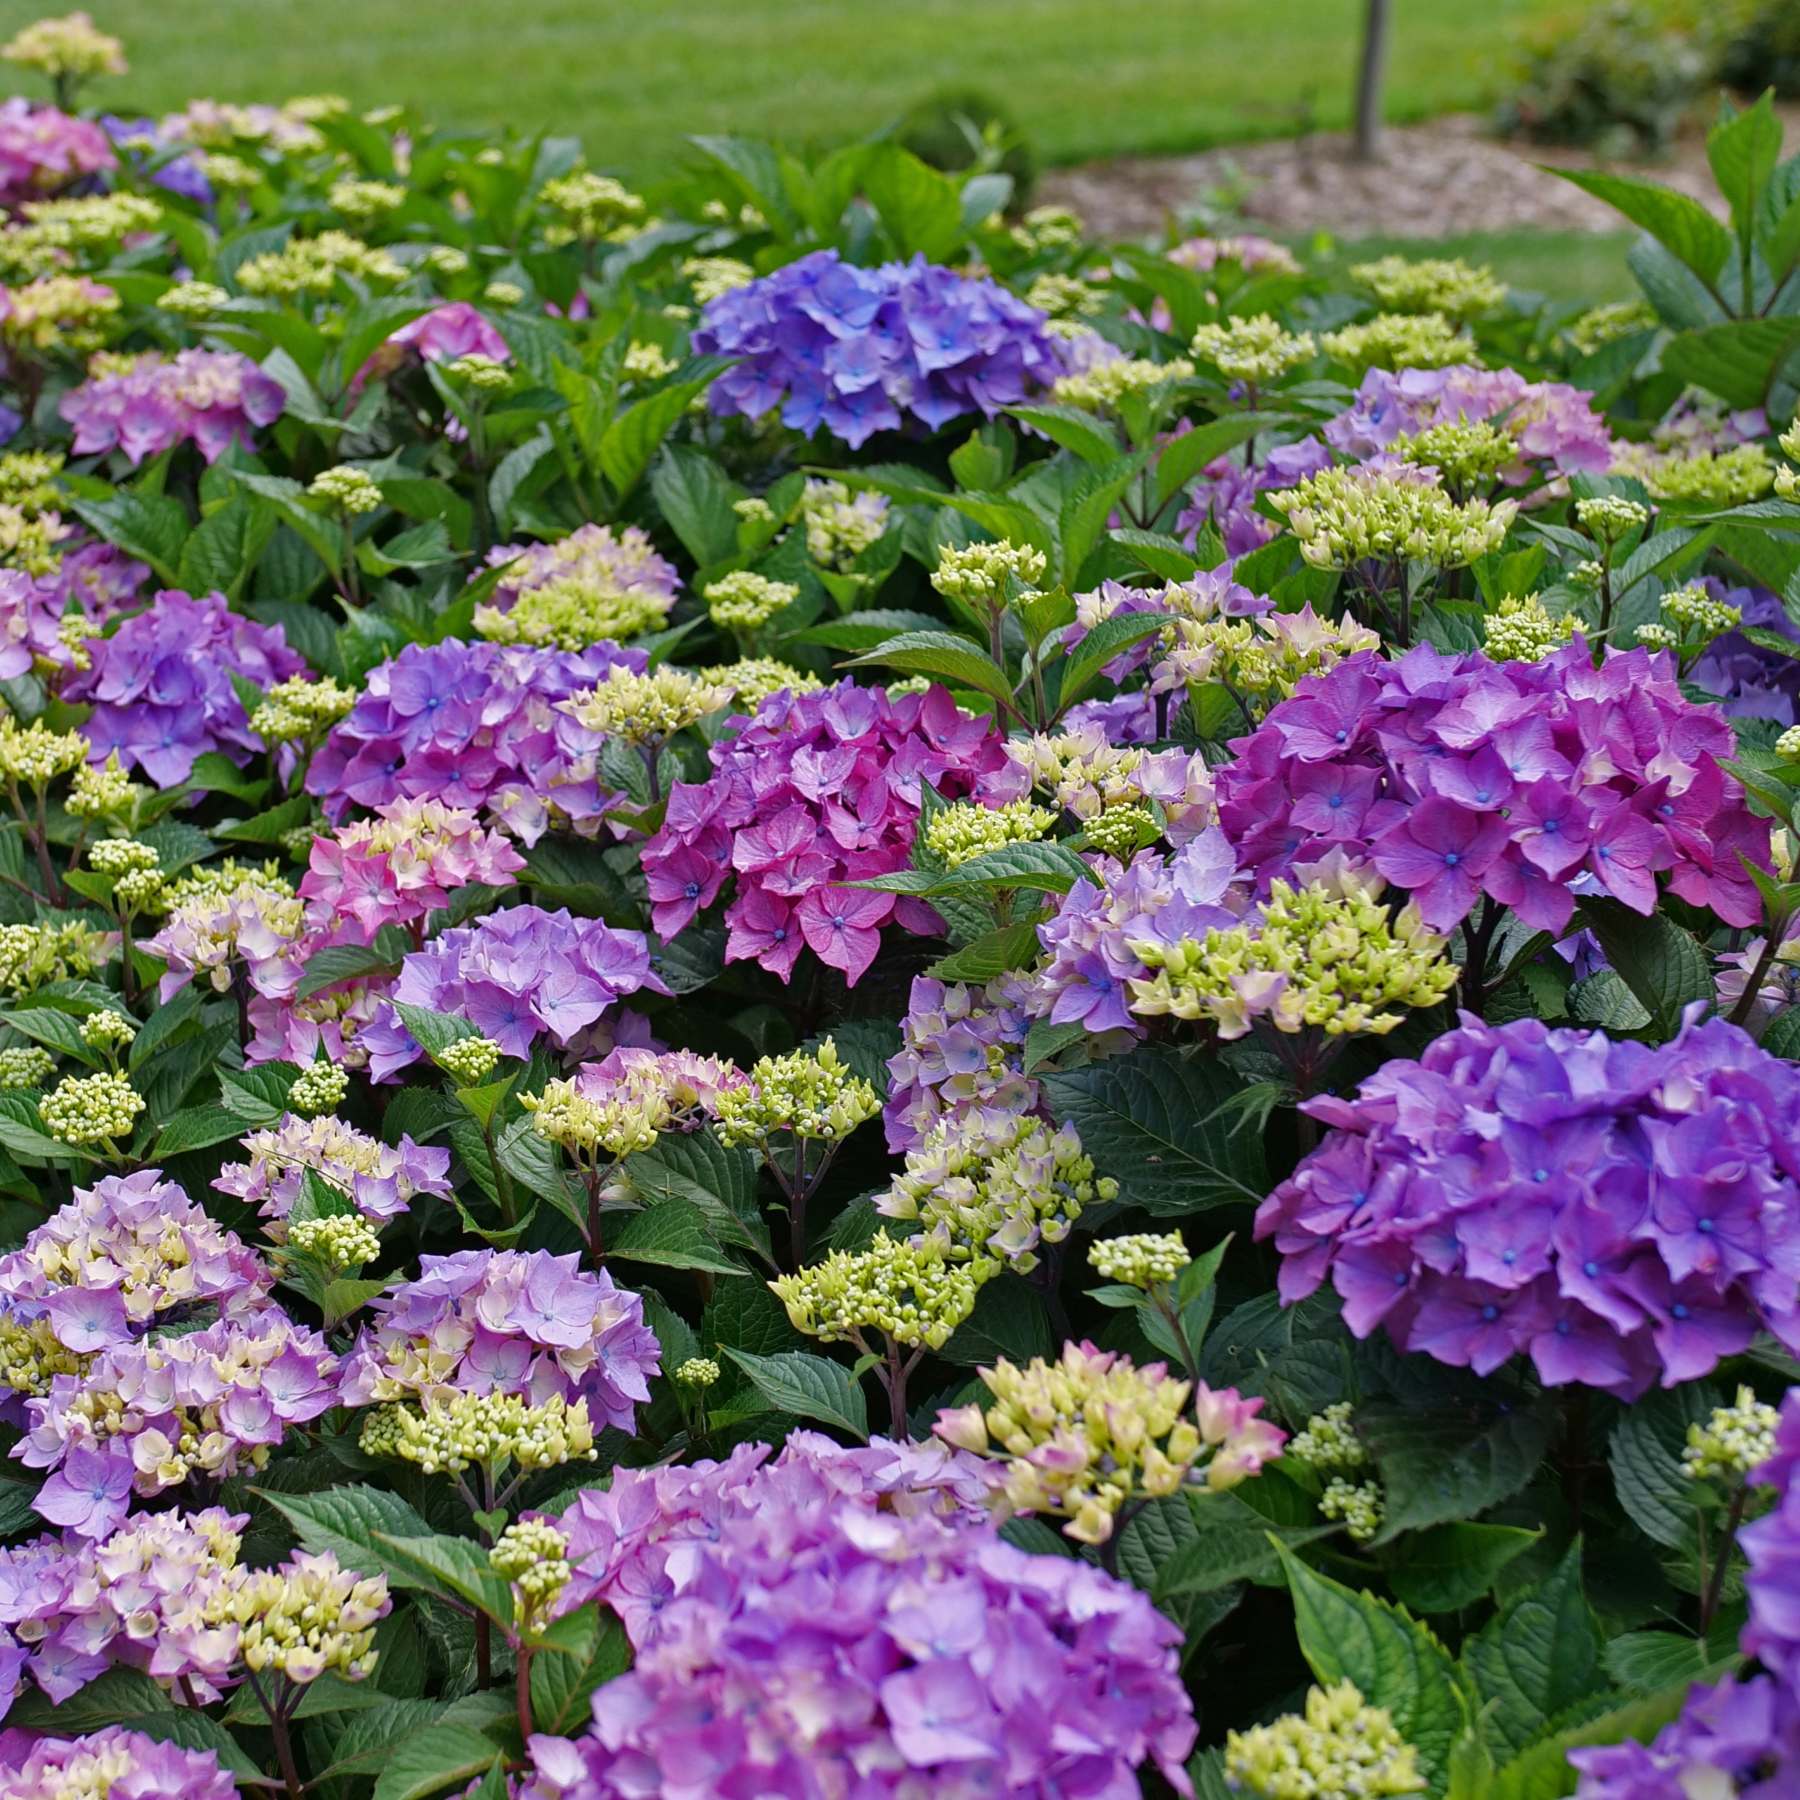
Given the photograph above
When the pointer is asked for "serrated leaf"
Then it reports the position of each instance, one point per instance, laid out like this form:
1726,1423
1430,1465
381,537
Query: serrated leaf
993,954
1452,1566
1185,456
346,1521
808,1386
196,1128
1109,639
1232,1542
1450,1462
1681,224
944,656
1645,1456
434,1758
1089,437
451,1565
632,439
595,1649
1664,967
1544,1770
672,1235
1739,360
1046,1040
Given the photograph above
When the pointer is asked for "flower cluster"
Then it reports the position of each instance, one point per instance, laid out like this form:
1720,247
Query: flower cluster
508,1322
1531,783
303,1619
238,913
949,1650
645,710
1340,1745
450,1432
805,1094
745,601
1345,516
1520,629
443,335
69,313
961,1047
592,585
66,49
1084,1436
1399,341
1729,1739
161,685
818,789
1734,1440
1141,1260
987,1187
43,150
960,832
857,351
472,725
514,975
840,526
97,1109
913,1293
1253,350
131,1764
1446,285
32,956
143,407
1622,1214
380,1180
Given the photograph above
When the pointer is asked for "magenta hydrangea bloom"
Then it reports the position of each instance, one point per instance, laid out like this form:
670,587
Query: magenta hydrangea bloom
1555,426
960,1047
441,335
801,1628
507,1321
1772,1544
149,1414
130,1252
43,150
855,351
381,1180
474,725
209,398
161,688
1733,1739
1531,783
516,975
130,1765
818,790
1620,1212
95,581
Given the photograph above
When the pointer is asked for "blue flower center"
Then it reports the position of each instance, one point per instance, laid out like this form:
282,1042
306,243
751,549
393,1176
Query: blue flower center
1451,859
1490,1313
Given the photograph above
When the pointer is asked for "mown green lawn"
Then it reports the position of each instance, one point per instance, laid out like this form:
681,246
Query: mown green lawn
1085,78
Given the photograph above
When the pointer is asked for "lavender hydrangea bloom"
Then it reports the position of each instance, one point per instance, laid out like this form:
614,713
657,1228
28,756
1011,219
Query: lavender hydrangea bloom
1620,1212
515,975
97,581
474,725
42,150
161,684
1772,1544
1733,1739
1224,494
960,1047
129,1764
1531,783
381,1180
210,398
507,1321
1752,682
794,1635
181,175
856,351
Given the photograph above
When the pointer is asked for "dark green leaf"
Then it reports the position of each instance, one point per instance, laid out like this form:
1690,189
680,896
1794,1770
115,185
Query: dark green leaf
1450,1462
809,1387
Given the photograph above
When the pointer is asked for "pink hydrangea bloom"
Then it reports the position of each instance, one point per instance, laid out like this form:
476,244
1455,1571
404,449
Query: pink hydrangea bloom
42,150
209,398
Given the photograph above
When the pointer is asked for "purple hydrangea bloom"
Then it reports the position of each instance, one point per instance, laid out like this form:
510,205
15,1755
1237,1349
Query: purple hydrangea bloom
161,684
960,1047
381,1180
515,975
1531,783
796,1634
1224,494
181,175
43,150
856,351
507,1321
1620,1212
1732,1739
95,580
1752,682
474,725
152,1769
1772,1544
210,398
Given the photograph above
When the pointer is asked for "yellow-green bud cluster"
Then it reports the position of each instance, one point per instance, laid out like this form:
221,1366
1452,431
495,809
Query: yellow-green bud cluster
752,679
808,1094
744,600
344,1240
1522,630
1257,349
840,526
592,207
1048,228
31,1356
59,312
446,259
303,1619
1399,341
1468,452
646,362
645,709
1609,517
1144,1259
459,1431
486,374
1329,1441
1720,478
1356,1505
911,1291
120,856
620,1125
503,293
1063,297
986,576
65,49
1317,959
1601,325
571,612
1340,1746
1106,384
987,1186
28,479
471,1059
1733,1441
1788,744
1122,830
233,173
86,223
966,829
698,1372
298,710
348,488
25,1066
362,202
91,1109
534,1556
107,1030
1698,617
193,299
1446,285
33,955
30,544
711,276
1787,481
104,790
320,1088
1343,516
36,756
312,265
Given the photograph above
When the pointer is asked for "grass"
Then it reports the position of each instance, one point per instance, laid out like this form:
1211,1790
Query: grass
1083,78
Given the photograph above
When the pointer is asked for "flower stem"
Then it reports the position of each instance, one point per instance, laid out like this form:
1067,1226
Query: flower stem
522,1690
1715,1588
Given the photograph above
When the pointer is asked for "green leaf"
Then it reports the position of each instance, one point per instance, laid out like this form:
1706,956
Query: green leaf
1109,639
1010,1320
1232,1542
268,827
1664,967
223,548
809,1387
595,1649
1089,505
1743,151
631,440
437,1757
991,955
196,1128
1681,224
53,1028
451,1565
1645,1455
1439,1463
1184,457
346,1521
1046,1040
1453,1566
672,1235
363,1742
920,208
1739,361
433,1032
131,1699
258,1096
1090,438
1159,553
1536,1658
347,962
695,496
945,656
151,527
1395,1661
1154,1121
1544,1769
866,630
1647,1661
718,1180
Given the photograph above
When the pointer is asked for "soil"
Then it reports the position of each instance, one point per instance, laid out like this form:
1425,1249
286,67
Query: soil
1437,180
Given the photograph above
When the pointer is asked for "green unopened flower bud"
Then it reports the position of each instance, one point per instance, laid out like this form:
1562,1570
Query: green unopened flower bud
348,488
1608,517
91,1109
1257,349
344,1240
912,1293
107,1030
744,600
25,1066
1142,1260
646,709
1356,1504
533,1555
1699,617
1522,630
698,1372
1103,385
966,829
986,576
1329,1441
471,1060
320,1088
1734,1440
811,1095
1122,831
1399,341
1446,285
1340,1746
